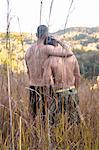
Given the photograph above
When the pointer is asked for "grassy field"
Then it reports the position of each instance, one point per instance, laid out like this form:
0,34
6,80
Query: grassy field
17,129
22,134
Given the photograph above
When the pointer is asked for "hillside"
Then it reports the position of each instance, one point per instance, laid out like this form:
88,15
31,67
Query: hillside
78,29
84,41
81,37
85,44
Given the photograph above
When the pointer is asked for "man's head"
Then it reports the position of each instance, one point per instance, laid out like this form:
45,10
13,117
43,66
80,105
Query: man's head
42,32
50,41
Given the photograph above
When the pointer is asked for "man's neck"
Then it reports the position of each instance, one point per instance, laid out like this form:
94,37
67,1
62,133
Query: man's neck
40,41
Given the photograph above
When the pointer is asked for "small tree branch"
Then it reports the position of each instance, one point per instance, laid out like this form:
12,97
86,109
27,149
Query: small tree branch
41,12
50,12
67,17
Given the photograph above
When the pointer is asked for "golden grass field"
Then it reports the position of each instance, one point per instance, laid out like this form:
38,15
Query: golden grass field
23,135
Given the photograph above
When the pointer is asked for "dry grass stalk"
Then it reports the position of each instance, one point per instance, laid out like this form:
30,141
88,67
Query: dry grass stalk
50,12
41,12
8,58
20,132
68,13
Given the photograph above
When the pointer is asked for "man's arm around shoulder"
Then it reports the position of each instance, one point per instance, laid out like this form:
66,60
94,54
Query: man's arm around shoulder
57,51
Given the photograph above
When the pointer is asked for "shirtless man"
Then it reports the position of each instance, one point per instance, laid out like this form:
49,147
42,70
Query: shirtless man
63,75
35,58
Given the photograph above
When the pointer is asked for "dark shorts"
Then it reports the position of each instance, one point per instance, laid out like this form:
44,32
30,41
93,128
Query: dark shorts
37,98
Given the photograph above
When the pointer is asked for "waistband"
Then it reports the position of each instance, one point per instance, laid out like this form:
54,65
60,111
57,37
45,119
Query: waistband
64,90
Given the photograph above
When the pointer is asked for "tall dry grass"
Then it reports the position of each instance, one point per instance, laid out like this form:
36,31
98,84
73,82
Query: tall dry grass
28,136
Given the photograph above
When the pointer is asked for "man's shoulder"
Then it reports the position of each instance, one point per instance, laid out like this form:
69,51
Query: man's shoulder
32,46
30,50
72,58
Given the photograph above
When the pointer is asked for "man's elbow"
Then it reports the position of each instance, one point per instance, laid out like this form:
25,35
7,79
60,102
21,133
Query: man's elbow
77,82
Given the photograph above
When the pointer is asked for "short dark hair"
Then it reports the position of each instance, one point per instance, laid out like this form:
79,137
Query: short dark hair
50,41
42,31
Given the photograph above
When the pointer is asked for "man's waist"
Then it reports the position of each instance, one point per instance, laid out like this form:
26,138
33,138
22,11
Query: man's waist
36,83
66,89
